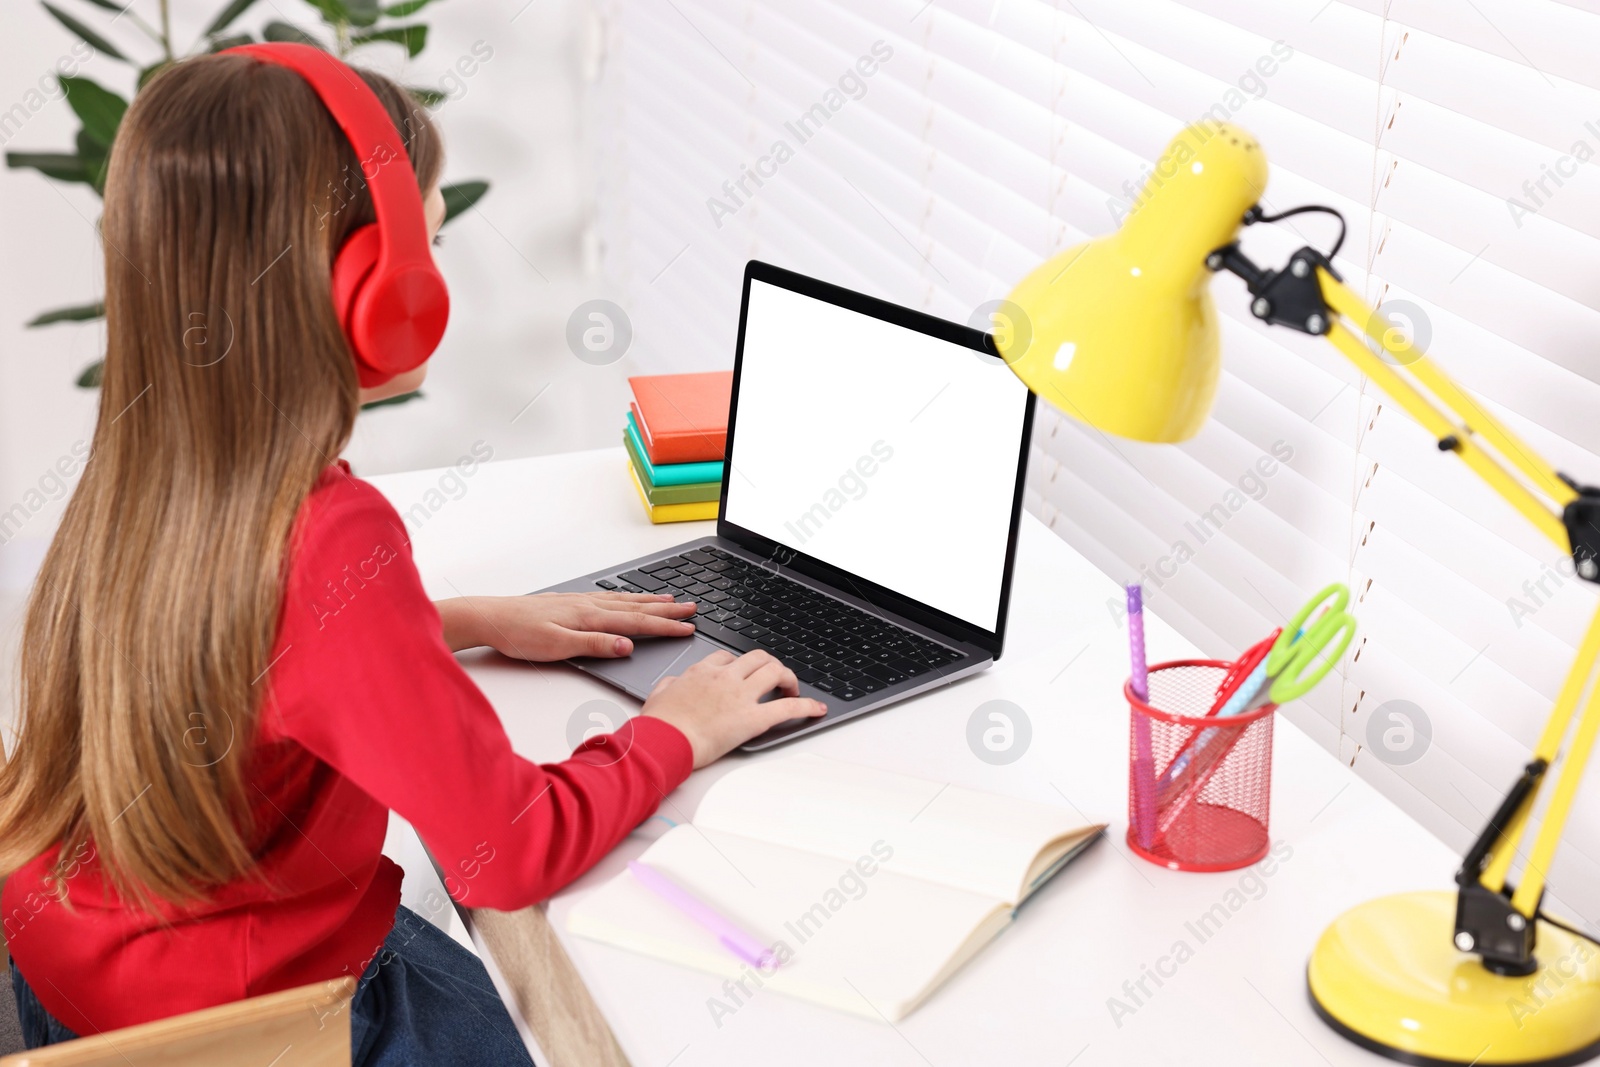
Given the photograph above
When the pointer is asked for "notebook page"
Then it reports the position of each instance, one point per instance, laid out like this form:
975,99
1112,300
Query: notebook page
872,944
982,842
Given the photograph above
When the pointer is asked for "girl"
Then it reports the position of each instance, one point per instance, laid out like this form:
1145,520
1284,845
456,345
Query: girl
230,673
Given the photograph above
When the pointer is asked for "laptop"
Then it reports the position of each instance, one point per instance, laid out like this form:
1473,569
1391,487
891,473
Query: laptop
871,493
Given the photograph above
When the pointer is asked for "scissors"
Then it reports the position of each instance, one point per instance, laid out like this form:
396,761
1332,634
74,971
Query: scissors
1297,660
1300,657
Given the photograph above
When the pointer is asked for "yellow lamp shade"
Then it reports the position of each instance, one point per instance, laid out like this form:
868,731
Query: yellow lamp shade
1120,332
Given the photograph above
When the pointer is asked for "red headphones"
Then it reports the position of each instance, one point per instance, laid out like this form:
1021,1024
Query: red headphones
390,298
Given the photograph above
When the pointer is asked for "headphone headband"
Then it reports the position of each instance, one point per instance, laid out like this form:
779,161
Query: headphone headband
371,132
387,291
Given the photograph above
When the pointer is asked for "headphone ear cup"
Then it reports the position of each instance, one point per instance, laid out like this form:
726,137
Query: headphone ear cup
398,316
351,269
393,319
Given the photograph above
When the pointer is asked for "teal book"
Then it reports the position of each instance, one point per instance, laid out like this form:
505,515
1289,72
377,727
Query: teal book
668,473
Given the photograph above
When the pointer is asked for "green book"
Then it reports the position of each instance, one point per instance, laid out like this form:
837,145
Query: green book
667,473
693,493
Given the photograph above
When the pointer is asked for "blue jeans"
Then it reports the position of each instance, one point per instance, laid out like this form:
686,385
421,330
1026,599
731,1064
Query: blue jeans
423,1000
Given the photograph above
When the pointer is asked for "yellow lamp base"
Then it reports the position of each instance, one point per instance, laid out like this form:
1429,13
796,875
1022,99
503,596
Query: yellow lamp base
1387,976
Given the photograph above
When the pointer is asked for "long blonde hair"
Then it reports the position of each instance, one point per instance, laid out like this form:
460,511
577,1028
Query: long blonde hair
228,388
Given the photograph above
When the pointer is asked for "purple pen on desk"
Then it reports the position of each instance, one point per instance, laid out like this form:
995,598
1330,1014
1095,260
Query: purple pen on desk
744,945
1144,768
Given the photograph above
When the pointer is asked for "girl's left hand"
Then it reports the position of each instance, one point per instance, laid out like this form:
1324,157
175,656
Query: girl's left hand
546,627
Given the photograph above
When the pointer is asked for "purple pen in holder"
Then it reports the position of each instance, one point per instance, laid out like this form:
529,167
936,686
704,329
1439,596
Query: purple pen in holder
1142,806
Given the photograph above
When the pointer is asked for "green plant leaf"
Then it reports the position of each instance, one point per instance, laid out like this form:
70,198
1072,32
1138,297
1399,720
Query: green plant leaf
62,166
90,377
108,5
226,16
97,42
94,156
427,97
283,32
156,68
363,12
100,109
332,11
80,313
410,7
403,398
461,195
227,41
414,37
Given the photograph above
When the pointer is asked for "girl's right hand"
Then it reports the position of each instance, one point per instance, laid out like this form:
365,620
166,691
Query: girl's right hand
717,705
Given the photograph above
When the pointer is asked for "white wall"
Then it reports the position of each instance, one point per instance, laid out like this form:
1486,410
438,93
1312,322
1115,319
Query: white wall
514,266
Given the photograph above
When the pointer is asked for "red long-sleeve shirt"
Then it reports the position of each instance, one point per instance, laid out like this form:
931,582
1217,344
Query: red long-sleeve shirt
366,711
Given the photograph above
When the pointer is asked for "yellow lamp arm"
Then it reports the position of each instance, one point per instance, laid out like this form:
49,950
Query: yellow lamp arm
1583,666
1541,477
1526,897
1519,475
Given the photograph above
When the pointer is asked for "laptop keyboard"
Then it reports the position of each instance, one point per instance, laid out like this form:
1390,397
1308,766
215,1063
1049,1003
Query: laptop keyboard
830,645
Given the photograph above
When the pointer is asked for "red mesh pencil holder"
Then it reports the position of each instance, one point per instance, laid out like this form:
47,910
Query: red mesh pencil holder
1199,787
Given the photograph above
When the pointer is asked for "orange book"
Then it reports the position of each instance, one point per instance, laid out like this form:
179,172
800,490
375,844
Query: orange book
683,418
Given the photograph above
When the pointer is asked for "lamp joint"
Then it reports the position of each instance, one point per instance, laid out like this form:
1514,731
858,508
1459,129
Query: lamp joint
1582,519
1496,931
1290,297
1486,923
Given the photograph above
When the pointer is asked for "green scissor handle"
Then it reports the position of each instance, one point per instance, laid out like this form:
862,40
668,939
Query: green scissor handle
1300,657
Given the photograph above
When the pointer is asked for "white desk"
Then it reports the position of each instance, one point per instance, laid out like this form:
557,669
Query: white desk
1039,994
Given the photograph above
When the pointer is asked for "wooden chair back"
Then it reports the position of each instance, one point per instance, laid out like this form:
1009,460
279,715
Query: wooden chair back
304,1027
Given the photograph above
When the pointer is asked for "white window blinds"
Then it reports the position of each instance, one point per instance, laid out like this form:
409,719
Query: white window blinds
932,153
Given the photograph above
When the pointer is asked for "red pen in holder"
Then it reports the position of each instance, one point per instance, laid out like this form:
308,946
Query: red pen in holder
1213,776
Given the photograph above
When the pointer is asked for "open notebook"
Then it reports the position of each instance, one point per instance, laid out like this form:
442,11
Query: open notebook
871,887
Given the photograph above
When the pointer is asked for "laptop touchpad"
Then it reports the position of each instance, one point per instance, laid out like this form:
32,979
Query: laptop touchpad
652,659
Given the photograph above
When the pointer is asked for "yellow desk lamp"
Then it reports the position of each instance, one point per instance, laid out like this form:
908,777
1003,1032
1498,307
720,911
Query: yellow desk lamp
1122,334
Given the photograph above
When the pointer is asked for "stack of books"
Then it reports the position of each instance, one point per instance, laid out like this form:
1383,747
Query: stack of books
676,436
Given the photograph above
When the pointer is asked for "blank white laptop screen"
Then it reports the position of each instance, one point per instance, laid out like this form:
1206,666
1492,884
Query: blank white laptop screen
877,449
